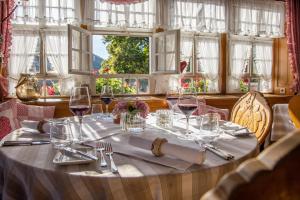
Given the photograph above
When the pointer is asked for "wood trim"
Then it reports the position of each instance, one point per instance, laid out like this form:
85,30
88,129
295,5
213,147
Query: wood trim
156,102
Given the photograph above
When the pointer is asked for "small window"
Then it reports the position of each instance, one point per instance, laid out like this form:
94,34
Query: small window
165,52
250,66
79,50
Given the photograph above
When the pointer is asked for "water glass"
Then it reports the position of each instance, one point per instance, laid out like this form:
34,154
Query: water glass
133,123
97,111
210,122
60,133
209,126
164,118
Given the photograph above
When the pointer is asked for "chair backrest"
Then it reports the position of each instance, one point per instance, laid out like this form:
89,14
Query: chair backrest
274,174
294,110
253,111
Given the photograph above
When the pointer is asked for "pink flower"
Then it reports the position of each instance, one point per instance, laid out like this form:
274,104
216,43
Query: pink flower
131,107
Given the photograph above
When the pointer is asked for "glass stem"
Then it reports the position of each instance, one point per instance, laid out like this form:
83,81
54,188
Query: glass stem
187,124
106,108
80,128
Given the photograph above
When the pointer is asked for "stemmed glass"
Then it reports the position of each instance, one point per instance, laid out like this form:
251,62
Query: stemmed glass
79,105
172,97
106,97
187,104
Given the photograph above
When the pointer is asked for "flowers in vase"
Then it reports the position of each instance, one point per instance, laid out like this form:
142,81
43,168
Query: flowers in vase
132,107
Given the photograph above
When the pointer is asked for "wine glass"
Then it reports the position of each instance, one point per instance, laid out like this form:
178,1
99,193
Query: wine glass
79,105
187,104
106,97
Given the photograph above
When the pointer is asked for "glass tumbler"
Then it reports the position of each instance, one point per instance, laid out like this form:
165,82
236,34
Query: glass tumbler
60,133
164,118
209,126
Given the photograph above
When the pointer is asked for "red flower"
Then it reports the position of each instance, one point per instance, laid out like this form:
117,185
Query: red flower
106,70
50,90
185,85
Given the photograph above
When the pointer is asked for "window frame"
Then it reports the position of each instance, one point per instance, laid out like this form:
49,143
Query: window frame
252,41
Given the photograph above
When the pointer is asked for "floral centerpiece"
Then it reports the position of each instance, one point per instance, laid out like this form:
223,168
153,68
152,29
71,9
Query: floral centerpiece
132,108
131,115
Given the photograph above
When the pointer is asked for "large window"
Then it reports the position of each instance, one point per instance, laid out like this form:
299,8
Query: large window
40,43
146,47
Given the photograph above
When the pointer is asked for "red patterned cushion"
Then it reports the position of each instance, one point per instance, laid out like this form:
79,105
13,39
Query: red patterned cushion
8,119
36,113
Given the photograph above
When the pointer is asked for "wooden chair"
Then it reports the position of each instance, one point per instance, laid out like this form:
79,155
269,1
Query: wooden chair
253,111
294,110
274,174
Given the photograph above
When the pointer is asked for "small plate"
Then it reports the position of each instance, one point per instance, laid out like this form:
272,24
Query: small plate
60,159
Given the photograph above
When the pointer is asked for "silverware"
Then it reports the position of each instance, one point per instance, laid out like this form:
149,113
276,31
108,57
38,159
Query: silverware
100,148
215,150
109,152
25,143
223,154
81,153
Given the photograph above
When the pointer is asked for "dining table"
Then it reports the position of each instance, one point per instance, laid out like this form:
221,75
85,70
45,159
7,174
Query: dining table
29,172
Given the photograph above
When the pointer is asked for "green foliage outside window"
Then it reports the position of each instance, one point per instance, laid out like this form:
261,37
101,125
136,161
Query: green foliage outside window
127,55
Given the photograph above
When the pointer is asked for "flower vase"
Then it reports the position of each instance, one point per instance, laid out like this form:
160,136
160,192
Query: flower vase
134,123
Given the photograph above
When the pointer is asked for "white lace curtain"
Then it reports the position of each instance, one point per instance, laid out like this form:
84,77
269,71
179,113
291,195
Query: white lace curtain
208,61
197,15
47,12
257,17
135,15
240,52
57,56
23,52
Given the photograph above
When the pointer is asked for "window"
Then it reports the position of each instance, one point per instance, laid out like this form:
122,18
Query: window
197,15
123,46
201,55
137,15
39,39
258,18
250,65
121,61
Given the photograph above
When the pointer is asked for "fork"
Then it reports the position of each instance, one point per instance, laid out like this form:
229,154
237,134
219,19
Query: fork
109,152
100,148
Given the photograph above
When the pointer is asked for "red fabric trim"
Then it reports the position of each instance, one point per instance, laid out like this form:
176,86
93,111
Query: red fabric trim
293,40
5,30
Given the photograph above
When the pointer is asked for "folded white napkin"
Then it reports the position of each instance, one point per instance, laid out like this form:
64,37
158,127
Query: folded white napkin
188,154
33,125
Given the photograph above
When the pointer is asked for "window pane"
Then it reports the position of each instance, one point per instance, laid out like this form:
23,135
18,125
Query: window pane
24,56
27,12
135,15
240,58
57,53
186,53
115,83
130,86
143,86
120,54
195,15
60,12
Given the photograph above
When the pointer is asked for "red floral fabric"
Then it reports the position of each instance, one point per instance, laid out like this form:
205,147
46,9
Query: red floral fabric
293,39
6,7
8,119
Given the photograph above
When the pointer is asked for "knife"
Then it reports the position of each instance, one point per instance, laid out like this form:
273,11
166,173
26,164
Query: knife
81,153
25,143
218,152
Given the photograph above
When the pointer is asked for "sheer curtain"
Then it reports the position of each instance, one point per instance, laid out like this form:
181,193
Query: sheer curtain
57,56
27,12
240,52
208,61
23,51
263,58
186,52
197,15
257,17
134,15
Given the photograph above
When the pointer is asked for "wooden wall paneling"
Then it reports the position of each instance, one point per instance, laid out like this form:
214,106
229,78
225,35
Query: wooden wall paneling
223,63
282,74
